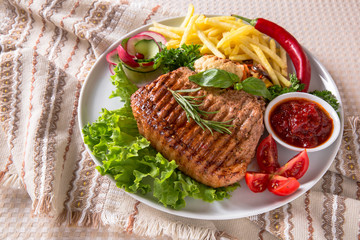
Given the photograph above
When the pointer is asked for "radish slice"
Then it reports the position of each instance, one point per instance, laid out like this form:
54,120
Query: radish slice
147,64
156,36
111,68
126,57
130,46
112,57
143,45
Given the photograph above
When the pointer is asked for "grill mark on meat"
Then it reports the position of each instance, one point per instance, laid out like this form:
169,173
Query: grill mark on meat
217,162
214,142
184,120
217,148
211,106
174,115
211,159
225,141
229,158
224,154
162,96
167,109
188,136
163,100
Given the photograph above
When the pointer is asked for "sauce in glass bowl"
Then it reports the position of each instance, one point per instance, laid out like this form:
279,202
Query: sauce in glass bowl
301,122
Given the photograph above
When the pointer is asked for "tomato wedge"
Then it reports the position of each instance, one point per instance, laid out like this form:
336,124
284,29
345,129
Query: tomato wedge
257,182
295,167
283,186
267,155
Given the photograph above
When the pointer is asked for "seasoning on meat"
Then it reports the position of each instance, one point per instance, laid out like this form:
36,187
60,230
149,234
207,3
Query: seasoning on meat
215,160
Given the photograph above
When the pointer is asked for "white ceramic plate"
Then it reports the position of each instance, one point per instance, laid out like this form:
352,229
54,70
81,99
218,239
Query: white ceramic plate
243,203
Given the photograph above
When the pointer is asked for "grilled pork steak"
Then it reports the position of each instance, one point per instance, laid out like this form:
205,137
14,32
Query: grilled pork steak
215,160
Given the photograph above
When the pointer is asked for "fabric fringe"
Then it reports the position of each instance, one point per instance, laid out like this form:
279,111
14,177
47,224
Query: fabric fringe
156,228
10,180
43,206
176,230
73,218
143,227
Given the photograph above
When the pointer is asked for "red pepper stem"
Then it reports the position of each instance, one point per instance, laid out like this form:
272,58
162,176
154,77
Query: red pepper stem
252,22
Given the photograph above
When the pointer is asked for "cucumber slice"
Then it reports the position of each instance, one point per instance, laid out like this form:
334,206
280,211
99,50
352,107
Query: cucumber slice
148,48
141,76
145,69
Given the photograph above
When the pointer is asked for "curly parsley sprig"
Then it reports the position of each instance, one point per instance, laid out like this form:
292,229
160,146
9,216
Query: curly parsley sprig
296,86
328,97
173,58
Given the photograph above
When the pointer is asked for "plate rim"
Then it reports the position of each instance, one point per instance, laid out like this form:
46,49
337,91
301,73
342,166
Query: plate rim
179,213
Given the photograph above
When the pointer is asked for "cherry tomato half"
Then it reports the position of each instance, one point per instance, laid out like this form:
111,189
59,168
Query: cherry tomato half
257,182
283,186
295,167
267,155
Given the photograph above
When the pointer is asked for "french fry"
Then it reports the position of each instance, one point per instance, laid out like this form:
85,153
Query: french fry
272,46
209,44
250,53
228,37
189,14
263,41
200,22
284,71
219,24
208,30
255,39
165,32
188,29
240,57
234,22
271,54
205,50
227,51
265,49
235,50
265,63
177,30
283,80
235,34
223,18
173,44
215,32
214,40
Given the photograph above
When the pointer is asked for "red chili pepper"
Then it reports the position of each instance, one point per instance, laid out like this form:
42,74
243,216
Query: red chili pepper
289,43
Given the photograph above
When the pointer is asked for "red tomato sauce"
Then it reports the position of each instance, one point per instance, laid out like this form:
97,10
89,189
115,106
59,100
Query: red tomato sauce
301,123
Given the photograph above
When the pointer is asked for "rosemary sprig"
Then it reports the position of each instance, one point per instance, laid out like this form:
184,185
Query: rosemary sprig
191,104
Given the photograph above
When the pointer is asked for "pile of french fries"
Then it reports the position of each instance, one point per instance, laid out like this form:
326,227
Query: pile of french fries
228,37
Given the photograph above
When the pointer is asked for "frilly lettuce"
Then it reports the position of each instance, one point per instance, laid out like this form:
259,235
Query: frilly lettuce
127,156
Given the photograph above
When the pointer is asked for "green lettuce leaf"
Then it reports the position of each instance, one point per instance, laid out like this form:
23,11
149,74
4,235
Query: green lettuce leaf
136,167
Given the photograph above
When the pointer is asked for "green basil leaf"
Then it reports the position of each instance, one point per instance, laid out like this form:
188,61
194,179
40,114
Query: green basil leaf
215,78
256,87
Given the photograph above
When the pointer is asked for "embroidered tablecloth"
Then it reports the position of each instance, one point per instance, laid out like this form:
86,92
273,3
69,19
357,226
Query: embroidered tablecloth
50,188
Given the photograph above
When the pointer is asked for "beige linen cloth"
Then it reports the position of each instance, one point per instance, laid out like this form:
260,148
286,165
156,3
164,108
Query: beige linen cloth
46,51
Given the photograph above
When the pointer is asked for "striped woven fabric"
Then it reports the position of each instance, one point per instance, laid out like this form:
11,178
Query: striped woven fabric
47,48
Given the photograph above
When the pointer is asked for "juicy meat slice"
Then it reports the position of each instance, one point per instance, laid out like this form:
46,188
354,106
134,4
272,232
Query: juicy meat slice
215,160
